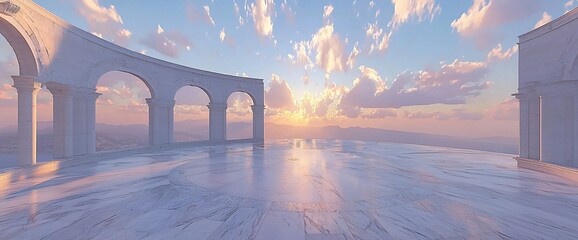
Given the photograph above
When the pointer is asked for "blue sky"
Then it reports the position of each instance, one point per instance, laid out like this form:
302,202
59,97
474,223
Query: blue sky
352,55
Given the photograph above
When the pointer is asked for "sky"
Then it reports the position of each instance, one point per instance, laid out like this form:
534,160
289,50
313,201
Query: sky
431,66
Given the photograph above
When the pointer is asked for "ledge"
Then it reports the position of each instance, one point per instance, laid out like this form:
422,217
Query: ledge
560,171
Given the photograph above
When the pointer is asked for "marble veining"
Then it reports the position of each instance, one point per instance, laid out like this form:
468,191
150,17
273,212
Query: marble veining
291,189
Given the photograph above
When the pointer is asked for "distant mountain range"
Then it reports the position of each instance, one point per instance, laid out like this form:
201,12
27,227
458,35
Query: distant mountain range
494,144
122,136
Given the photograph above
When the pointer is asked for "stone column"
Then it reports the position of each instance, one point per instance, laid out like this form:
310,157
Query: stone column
80,130
62,122
160,120
27,88
91,122
217,121
258,123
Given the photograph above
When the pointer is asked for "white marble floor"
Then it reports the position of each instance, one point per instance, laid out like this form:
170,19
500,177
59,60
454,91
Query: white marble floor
291,189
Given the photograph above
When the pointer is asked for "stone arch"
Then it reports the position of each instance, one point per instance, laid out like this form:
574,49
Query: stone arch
103,67
23,45
189,84
190,115
251,95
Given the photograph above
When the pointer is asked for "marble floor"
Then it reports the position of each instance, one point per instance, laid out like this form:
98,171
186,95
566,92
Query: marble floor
290,189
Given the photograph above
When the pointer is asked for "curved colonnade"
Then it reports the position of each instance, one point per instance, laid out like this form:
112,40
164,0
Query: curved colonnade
70,61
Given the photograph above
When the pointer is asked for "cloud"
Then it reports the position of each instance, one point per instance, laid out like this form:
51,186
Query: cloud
452,84
484,16
240,104
8,68
199,15
498,54
279,94
238,13
7,92
207,15
104,22
167,43
378,36
302,51
262,11
546,18
422,115
191,110
457,114
222,35
329,50
380,113
465,115
406,9
227,39
569,4
288,11
122,89
352,57
507,110
327,10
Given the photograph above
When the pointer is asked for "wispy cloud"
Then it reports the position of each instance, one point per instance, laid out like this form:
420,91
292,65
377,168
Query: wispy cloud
404,10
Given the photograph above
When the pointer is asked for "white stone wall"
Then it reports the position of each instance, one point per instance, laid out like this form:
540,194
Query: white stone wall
548,92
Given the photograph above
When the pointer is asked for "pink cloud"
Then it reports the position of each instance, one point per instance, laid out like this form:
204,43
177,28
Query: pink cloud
506,110
104,22
239,104
262,11
380,113
406,9
452,84
122,91
195,14
497,53
279,94
457,114
482,18
167,43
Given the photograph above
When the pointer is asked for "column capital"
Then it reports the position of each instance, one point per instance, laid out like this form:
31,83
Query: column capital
217,105
26,83
160,102
59,89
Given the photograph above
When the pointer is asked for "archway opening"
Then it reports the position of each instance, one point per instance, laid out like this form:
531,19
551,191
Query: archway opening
9,66
122,118
191,115
239,116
